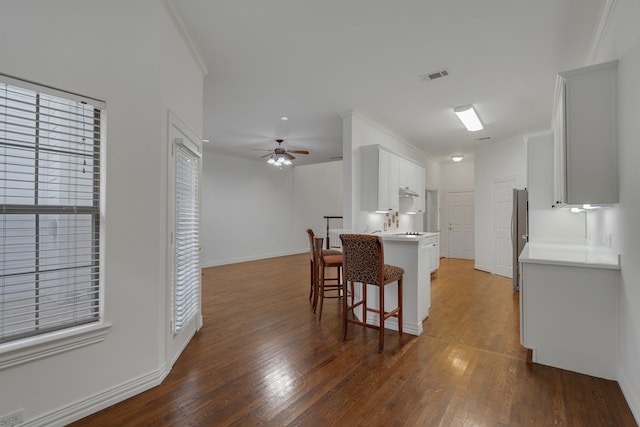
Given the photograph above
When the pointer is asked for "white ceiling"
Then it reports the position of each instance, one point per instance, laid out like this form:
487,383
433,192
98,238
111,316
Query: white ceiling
312,60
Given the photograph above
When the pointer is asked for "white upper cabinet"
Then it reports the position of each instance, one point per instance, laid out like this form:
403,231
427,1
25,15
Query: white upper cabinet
383,173
585,140
379,177
412,176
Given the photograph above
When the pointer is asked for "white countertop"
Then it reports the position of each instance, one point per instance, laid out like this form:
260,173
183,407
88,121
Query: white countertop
394,236
400,236
570,254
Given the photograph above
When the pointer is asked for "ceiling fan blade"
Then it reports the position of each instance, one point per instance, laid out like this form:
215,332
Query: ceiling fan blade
266,155
288,156
263,149
298,151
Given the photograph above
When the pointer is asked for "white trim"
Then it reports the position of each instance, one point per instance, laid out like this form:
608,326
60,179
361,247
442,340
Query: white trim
41,346
392,324
355,113
603,25
629,395
92,404
215,263
186,35
193,144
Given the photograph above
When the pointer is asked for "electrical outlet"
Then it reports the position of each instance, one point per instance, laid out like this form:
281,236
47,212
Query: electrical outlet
13,419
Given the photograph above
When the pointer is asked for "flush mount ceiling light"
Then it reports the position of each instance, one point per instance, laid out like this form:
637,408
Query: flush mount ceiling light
284,118
469,118
457,158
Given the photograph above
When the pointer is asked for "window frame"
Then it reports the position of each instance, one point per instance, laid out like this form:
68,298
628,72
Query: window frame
36,346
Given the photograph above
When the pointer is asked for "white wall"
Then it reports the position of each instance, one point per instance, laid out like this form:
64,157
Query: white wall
545,223
247,210
252,210
317,192
359,131
453,177
622,41
130,55
494,162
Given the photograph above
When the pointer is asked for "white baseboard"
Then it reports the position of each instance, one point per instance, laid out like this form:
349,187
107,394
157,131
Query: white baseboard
482,268
215,263
392,324
629,395
82,408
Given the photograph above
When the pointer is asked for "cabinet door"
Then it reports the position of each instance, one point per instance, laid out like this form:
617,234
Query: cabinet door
384,177
559,147
591,153
585,140
393,187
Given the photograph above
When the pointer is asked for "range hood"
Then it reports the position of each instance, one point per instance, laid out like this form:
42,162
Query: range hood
407,192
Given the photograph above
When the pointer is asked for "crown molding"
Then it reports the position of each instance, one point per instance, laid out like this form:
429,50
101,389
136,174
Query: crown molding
606,13
186,36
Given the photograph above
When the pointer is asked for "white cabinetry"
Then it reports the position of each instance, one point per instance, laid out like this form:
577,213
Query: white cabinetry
379,179
383,173
412,175
569,308
585,141
432,243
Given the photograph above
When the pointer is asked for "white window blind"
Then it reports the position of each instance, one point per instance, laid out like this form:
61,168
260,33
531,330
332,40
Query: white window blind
49,209
187,242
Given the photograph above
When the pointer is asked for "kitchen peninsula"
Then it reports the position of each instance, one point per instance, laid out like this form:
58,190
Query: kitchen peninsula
410,252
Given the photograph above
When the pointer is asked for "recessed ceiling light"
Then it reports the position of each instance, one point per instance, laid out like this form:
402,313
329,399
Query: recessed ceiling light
457,157
284,118
205,140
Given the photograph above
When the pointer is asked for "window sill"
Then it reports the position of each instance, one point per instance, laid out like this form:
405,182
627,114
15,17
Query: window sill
30,349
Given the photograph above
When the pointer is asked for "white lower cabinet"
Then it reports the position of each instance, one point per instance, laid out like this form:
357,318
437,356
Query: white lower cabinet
432,243
569,315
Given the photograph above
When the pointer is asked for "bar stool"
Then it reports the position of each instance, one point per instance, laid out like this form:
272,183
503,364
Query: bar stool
312,270
323,284
363,262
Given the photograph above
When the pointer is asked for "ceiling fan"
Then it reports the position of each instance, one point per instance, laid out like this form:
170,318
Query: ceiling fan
279,154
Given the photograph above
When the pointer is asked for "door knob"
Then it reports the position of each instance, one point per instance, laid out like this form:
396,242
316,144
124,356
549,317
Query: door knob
450,228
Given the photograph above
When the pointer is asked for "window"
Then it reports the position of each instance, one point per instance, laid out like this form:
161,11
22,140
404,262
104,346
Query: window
50,158
186,296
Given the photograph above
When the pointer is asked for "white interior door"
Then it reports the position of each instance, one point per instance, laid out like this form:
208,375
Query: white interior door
184,302
461,228
502,211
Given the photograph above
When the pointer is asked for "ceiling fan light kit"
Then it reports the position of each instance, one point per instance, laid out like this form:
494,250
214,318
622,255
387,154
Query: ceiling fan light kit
281,156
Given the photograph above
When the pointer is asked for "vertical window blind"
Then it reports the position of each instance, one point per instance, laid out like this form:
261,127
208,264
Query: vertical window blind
49,209
187,243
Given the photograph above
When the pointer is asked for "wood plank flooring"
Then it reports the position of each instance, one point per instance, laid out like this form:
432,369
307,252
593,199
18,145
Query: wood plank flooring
262,359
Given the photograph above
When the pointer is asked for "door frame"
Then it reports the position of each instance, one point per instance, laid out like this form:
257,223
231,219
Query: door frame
176,342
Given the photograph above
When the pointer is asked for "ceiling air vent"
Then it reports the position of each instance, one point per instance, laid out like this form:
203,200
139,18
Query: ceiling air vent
434,75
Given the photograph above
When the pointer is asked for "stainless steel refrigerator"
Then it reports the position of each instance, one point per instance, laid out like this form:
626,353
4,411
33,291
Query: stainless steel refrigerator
519,231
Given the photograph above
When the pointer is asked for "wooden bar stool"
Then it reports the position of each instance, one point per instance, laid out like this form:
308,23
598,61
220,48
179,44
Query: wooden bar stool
324,284
313,270
363,262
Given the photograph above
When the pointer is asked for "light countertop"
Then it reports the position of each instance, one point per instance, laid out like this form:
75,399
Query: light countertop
393,236
570,254
396,236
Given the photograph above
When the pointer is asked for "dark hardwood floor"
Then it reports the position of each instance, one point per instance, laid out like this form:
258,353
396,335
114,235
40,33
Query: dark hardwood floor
262,359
